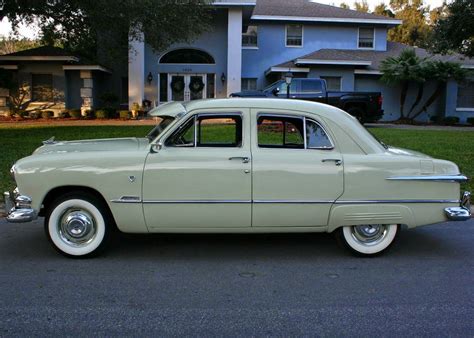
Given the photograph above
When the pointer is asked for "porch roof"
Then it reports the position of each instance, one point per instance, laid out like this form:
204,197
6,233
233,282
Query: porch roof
49,53
368,61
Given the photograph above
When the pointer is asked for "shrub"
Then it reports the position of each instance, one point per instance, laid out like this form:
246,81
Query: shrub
470,120
88,113
124,115
35,114
436,119
47,114
101,114
63,114
75,113
451,120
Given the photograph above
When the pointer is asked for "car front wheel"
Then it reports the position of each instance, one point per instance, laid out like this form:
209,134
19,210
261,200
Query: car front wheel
76,225
368,239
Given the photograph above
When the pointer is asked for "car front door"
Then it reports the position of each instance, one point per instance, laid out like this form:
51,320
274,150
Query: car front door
201,176
297,170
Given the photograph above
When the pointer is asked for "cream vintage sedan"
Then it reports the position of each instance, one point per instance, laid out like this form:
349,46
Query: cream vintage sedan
236,166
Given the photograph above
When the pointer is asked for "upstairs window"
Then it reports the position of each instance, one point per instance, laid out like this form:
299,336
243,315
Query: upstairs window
294,35
366,38
466,95
42,85
249,36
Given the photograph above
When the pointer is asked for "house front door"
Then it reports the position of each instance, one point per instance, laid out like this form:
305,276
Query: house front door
186,87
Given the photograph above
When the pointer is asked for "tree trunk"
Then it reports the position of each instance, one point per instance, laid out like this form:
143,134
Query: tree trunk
403,97
419,96
437,93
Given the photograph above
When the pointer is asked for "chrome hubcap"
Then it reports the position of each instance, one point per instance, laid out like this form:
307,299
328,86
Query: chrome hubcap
77,227
369,234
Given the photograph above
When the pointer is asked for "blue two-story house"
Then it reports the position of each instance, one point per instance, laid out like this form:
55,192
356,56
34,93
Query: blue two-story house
253,43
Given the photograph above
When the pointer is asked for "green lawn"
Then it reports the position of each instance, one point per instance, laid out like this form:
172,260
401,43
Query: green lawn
17,142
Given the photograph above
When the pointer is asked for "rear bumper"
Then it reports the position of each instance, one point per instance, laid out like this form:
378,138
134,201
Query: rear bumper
461,213
18,208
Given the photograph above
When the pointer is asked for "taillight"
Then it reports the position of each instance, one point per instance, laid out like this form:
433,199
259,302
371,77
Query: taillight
380,100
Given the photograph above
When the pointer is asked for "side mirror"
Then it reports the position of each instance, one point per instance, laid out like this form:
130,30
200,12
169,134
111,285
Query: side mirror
156,147
276,91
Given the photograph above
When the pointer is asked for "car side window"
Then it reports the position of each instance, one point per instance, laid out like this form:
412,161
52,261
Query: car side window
316,136
214,130
280,132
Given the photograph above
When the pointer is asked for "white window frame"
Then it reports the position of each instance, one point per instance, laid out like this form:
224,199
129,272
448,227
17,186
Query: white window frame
251,47
358,37
286,36
250,78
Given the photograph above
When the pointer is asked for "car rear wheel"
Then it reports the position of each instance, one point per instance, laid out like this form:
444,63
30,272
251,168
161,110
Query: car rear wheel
77,225
368,239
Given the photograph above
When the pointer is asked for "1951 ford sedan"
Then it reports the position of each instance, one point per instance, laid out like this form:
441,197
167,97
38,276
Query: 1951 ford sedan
236,166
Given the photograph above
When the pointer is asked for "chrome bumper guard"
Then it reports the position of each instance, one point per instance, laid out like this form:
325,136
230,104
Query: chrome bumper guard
18,208
463,212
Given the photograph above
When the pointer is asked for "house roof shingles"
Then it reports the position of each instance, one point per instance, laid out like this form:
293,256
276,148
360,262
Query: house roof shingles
42,51
310,9
376,57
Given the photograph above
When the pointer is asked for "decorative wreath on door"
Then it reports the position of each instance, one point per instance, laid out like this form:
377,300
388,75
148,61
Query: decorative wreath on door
196,85
177,85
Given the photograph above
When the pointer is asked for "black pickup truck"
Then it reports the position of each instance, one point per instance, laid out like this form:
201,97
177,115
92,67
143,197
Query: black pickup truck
366,106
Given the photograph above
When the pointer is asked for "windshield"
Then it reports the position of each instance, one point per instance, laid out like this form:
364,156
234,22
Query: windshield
162,124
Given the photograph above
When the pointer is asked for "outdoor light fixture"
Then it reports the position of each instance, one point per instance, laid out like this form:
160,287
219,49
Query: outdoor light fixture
223,78
150,77
288,78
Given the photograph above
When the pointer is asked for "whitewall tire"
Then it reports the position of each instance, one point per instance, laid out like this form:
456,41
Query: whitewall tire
76,225
368,239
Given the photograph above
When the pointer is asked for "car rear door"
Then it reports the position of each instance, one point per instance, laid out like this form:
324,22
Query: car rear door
297,170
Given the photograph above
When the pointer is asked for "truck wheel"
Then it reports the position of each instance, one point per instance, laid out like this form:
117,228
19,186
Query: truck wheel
368,239
358,113
76,225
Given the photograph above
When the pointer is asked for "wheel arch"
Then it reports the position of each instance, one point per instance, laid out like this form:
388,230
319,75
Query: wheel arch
56,192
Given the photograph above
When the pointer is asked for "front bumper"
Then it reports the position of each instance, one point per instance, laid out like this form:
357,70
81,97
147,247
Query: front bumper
463,212
18,208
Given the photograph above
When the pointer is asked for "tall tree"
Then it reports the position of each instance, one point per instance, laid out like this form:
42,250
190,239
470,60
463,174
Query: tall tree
414,30
82,25
383,9
403,69
455,30
362,6
344,5
11,44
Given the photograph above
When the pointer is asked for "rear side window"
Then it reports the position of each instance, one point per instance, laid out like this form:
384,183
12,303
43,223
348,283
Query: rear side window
280,132
208,131
311,87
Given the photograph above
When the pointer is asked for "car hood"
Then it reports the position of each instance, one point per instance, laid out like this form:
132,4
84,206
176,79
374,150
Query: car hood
406,152
116,144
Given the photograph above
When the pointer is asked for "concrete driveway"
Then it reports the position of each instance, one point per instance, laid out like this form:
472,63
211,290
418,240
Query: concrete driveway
234,285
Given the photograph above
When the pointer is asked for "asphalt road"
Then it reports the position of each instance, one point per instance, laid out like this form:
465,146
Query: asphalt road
234,285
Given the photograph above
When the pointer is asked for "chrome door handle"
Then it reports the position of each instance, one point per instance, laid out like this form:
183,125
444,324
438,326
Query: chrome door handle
243,159
335,160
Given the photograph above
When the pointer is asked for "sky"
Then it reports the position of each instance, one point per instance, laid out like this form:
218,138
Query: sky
31,32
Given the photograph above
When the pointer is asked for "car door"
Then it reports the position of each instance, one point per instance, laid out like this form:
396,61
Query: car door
297,170
201,176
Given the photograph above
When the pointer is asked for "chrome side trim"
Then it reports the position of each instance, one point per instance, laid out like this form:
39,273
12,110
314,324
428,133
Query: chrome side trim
395,201
437,178
293,201
197,202
127,199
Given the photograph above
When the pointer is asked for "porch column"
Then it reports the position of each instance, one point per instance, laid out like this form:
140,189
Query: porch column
136,72
234,50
